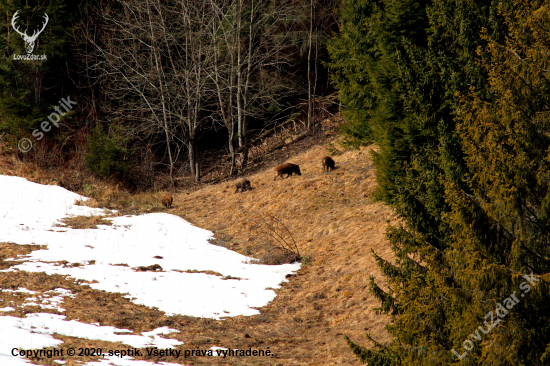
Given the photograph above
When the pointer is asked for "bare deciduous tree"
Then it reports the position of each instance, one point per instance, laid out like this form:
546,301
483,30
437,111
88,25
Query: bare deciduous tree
152,61
250,36
168,68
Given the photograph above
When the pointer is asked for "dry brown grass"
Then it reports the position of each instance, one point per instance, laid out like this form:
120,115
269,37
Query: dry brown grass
84,222
334,222
10,165
10,251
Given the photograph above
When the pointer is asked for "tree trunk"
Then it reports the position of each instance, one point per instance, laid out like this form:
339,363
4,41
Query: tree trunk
240,126
192,146
244,131
309,82
170,156
232,152
197,165
163,97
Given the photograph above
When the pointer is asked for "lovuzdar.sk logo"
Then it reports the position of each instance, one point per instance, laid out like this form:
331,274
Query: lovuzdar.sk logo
30,41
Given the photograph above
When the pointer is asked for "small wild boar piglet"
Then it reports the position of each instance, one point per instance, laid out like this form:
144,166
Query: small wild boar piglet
242,184
288,169
167,201
328,163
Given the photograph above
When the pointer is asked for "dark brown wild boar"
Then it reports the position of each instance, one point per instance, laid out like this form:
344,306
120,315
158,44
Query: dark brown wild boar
243,184
167,201
328,163
288,169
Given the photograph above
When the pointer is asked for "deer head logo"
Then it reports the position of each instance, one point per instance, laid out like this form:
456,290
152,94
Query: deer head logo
29,40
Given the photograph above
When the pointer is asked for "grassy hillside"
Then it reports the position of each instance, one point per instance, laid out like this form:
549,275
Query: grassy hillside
335,224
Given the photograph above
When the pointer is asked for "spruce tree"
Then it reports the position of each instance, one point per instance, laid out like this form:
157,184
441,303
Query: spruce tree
507,145
440,291
30,89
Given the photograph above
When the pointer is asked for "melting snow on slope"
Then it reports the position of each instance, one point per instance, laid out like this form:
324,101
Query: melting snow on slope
28,215
35,330
47,300
29,211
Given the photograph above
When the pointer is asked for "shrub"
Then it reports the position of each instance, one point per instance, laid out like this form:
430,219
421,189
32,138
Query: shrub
107,152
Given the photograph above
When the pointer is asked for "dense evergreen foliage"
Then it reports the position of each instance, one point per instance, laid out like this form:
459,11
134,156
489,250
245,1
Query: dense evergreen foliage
30,89
106,152
455,94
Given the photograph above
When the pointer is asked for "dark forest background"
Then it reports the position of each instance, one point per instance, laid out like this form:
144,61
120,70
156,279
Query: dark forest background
455,94
161,84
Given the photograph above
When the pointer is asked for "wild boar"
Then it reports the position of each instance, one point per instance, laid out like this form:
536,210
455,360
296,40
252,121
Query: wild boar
167,201
288,169
242,184
328,163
